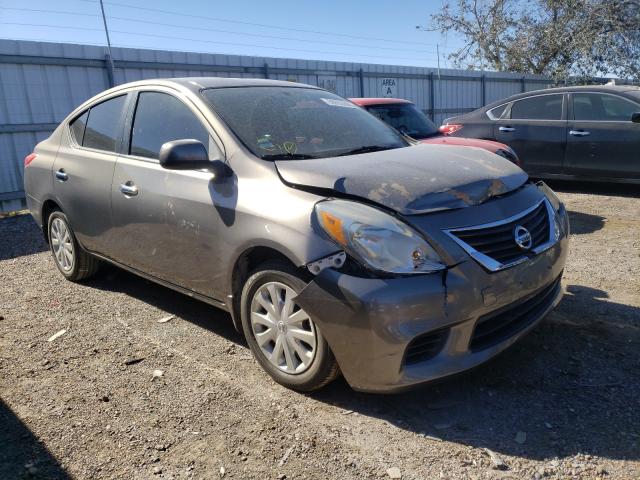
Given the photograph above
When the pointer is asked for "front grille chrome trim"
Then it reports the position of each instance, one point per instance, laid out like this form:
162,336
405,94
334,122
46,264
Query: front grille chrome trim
490,263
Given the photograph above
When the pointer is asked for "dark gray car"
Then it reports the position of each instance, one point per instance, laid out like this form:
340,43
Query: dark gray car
587,133
334,245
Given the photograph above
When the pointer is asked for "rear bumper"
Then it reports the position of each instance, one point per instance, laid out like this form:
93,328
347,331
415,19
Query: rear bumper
370,323
35,208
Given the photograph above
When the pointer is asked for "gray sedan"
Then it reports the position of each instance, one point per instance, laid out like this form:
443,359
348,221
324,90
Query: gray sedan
335,245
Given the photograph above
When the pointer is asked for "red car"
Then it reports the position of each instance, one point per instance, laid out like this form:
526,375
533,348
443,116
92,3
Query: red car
405,117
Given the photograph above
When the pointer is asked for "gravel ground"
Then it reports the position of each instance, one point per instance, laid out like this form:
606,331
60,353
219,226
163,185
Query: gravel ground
563,403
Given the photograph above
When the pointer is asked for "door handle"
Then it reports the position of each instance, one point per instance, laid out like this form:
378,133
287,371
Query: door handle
579,133
506,129
61,175
129,189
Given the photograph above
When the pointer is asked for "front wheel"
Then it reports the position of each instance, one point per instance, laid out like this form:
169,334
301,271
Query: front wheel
282,336
72,261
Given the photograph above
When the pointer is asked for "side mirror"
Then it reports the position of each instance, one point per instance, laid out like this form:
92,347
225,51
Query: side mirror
190,154
635,117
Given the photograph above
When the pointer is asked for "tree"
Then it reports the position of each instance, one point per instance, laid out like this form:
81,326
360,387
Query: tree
559,38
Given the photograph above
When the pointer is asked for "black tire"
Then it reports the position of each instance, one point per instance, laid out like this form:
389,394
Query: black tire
85,265
323,368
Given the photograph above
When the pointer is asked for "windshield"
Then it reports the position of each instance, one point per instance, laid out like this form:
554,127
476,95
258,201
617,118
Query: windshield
406,118
291,122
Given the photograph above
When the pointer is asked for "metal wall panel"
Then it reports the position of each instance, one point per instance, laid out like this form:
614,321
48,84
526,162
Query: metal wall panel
40,83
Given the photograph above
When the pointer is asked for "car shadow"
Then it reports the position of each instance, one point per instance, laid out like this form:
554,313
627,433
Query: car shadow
583,223
571,386
20,236
201,314
22,454
595,188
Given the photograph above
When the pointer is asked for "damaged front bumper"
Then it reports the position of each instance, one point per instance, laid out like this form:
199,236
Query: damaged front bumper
391,334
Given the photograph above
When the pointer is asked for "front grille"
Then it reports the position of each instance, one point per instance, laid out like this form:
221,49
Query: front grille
494,328
426,346
497,240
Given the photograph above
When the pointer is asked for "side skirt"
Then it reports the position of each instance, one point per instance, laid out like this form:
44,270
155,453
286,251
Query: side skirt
185,291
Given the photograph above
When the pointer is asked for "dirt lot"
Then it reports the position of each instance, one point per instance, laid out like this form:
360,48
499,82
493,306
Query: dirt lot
564,403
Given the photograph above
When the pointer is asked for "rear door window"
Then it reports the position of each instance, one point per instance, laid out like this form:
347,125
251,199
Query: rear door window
602,107
541,107
103,128
77,127
162,118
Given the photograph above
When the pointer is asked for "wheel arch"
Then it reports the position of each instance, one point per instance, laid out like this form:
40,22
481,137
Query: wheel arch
246,262
48,207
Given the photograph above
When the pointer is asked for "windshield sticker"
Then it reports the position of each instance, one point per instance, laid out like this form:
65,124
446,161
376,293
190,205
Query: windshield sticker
290,147
336,102
264,142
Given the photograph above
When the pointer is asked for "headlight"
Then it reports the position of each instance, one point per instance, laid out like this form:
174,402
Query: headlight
561,223
376,239
561,218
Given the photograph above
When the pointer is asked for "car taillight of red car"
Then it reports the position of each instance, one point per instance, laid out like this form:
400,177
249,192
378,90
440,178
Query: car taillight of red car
29,158
449,128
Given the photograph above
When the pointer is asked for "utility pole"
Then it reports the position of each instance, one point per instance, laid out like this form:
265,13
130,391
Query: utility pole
424,29
106,31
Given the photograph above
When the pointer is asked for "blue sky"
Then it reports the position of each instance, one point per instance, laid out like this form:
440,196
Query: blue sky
372,31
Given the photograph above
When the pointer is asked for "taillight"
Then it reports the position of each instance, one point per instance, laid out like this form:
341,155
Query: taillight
29,158
450,128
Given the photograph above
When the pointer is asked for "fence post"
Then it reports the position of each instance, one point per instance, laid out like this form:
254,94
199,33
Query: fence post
432,102
523,87
483,85
361,78
110,73
265,69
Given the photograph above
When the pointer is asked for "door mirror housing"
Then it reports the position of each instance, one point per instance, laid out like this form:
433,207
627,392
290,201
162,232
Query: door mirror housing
635,117
190,154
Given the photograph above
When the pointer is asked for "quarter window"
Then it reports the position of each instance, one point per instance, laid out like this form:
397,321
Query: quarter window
603,107
496,112
103,126
77,127
541,107
162,118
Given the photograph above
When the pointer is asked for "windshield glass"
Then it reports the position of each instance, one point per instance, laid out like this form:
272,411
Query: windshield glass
406,118
291,122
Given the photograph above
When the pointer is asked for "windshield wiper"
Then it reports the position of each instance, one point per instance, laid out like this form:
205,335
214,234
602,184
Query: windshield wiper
287,156
366,149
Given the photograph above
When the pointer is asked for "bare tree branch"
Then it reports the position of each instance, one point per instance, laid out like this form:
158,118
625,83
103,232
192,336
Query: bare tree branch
552,37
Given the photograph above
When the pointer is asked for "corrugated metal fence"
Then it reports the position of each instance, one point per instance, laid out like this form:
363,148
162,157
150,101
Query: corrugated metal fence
40,83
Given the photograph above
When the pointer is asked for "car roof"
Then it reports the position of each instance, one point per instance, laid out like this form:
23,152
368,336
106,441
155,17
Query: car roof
579,88
365,102
199,83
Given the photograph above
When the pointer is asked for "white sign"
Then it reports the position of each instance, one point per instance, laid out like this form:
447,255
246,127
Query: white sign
389,87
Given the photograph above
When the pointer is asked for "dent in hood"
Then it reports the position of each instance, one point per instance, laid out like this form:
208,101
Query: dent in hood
411,180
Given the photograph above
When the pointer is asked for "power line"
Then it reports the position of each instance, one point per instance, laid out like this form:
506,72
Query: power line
214,42
190,27
324,42
218,19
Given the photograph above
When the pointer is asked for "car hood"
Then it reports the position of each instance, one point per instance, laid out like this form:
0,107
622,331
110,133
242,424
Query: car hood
465,142
410,180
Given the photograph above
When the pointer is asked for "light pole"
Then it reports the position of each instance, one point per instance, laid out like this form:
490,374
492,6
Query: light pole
424,29
106,31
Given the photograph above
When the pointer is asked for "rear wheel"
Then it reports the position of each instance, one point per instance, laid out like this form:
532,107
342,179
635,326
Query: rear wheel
73,262
282,336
